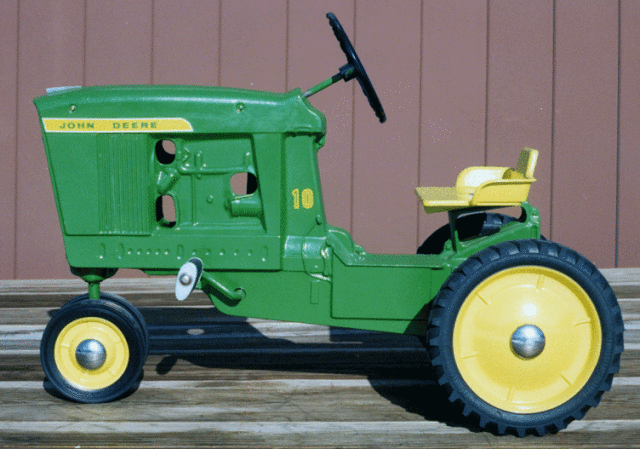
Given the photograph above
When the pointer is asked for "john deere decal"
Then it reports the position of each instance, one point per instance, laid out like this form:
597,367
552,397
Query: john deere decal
116,125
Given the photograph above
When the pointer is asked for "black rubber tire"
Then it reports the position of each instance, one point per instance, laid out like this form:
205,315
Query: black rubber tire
455,291
120,317
479,224
127,305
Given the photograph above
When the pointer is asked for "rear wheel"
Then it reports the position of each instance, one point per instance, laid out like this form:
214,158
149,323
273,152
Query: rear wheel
93,350
525,336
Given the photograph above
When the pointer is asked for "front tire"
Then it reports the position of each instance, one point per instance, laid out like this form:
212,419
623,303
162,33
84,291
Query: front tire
133,310
536,384
93,350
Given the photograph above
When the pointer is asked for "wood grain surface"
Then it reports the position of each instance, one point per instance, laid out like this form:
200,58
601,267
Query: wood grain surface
218,381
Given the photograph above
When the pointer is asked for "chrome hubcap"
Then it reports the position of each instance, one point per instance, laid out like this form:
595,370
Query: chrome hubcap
90,354
527,341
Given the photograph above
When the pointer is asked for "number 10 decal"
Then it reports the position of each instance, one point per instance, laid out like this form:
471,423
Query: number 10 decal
306,197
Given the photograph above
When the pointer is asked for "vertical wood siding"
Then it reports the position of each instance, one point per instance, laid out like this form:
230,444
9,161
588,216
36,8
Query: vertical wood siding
627,237
8,137
584,145
463,82
520,90
452,96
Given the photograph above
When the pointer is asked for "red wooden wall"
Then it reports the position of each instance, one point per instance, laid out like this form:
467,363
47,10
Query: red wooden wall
463,82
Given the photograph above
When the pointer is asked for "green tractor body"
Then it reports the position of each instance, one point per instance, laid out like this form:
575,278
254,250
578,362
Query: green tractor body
142,177
221,187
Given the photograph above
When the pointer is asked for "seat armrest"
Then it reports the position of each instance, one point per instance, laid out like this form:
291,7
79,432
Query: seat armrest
502,192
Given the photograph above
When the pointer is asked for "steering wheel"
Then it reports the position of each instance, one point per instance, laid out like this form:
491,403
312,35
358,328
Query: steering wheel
354,68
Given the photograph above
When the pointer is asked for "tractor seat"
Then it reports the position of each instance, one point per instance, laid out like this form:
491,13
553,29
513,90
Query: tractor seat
483,187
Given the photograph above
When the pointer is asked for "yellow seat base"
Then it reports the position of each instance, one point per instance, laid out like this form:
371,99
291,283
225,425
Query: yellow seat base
484,187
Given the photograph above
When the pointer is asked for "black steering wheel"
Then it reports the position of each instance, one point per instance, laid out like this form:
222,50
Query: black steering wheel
354,68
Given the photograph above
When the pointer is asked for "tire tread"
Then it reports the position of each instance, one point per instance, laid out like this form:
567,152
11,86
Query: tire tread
441,311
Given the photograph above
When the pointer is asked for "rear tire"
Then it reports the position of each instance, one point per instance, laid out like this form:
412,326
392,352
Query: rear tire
93,350
471,337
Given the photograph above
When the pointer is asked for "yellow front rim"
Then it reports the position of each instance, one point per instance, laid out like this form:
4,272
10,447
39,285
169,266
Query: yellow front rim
502,303
107,334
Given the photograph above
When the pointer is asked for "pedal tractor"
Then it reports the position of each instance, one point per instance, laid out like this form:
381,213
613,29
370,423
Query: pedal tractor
524,334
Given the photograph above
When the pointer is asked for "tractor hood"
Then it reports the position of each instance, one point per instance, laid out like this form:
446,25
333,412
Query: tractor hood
117,109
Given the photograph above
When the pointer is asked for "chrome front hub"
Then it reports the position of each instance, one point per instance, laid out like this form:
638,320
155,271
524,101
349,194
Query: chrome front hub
527,341
90,354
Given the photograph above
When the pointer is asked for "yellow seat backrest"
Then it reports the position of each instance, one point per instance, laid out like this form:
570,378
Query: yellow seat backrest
527,163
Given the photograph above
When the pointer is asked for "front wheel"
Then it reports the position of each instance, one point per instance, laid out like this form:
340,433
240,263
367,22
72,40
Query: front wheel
93,350
525,336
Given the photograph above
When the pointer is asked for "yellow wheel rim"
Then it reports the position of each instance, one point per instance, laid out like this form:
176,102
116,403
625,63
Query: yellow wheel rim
503,303
114,344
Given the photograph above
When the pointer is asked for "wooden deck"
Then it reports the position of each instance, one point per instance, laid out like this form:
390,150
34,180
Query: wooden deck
214,380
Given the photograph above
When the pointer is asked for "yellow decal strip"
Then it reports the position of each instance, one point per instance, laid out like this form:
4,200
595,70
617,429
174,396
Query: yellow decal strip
116,125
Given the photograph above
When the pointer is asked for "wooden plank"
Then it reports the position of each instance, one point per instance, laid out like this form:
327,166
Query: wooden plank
629,162
585,129
42,293
159,291
8,143
186,43
118,42
253,44
227,400
51,49
520,90
219,380
385,172
313,55
584,434
277,400
618,276
454,52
